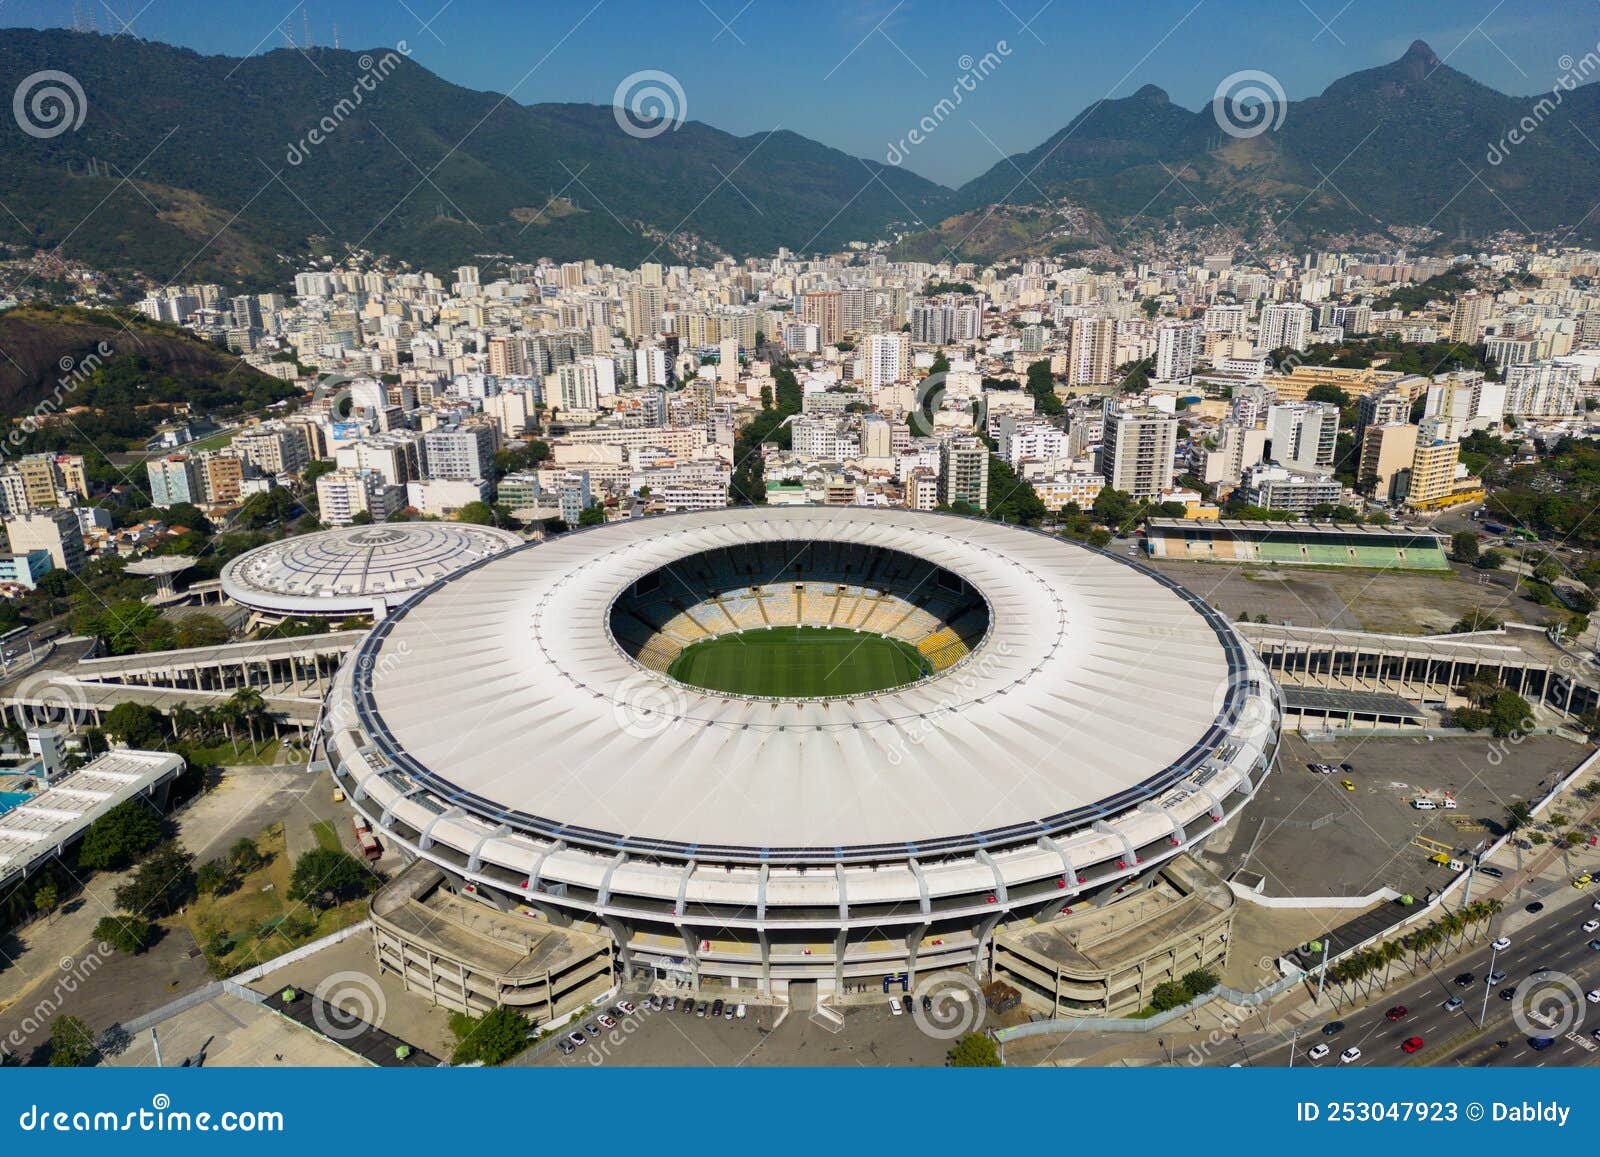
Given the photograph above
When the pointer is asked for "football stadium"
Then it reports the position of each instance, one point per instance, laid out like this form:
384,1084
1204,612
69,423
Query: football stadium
760,748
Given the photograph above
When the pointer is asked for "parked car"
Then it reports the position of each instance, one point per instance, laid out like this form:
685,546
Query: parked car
577,1038
1591,925
740,1011
1333,1027
1594,945
1317,1051
607,1020
591,1028
1506,993
1492,871
567,1047
700,1009
716,1007
894,1006
1347,785
1412,1044
1592,996
1534,908
626,1007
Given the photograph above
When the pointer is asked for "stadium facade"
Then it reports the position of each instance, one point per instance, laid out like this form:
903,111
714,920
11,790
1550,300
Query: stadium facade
1077,724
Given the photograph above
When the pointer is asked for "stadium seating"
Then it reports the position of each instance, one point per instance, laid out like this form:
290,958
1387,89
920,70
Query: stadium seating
817,584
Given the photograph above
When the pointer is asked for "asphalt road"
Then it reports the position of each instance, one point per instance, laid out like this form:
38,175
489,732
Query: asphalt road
1555,942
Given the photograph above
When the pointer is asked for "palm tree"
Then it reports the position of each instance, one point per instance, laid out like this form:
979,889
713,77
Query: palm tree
250,707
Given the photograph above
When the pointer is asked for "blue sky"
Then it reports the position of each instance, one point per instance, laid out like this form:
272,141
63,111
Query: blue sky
858,76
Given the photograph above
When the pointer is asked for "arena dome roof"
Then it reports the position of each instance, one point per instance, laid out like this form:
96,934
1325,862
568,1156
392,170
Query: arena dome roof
1097,686
350,570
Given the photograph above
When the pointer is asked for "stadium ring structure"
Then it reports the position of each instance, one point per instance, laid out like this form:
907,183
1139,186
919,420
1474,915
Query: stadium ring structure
357,570
1081,720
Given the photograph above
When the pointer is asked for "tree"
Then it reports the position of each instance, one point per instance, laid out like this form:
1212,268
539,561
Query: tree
1200,981
45,897
976,1050
212,878
1475,620
200,630
1518,815
71,1043
1491,560
1169,994
136,724
492,1039
1464,546
1509,714
244,857
323,877
592,516
120,836
125,933
161,885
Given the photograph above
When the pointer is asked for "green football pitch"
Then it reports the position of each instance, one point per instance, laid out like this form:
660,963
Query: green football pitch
798,662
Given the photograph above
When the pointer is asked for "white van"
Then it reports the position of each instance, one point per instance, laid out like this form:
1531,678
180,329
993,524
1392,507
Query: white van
1424,805
1449,804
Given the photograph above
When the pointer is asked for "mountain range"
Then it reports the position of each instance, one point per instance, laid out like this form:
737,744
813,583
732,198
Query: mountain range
192,167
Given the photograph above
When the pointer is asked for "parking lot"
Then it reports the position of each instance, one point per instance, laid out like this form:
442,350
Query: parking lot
871,1035
1366,838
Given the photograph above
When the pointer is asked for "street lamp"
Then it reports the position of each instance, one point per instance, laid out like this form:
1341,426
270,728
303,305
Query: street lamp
1487,984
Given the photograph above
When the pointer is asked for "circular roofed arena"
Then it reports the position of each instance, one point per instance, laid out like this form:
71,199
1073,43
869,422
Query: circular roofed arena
800,742
356,569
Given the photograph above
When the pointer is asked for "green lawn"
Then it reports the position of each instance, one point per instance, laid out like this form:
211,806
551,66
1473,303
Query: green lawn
798,662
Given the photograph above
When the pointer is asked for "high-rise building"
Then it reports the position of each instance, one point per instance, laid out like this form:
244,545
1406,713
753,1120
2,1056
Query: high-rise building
1433,472
173,479
1177,347
1304,435
822,311
1285,325
887,359
1468,315
1387,451
465,452
1136,451
964,473
55,531
1091,351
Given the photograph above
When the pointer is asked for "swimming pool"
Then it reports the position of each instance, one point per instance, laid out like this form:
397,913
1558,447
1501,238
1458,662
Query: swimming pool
13,799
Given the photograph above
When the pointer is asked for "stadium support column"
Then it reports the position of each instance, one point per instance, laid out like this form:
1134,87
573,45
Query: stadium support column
619,930
761,930
841,941
691,950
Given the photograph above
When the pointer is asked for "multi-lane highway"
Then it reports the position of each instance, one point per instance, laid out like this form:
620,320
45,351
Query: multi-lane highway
1555,946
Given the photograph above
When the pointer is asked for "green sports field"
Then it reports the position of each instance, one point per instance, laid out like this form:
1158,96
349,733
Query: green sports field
798,662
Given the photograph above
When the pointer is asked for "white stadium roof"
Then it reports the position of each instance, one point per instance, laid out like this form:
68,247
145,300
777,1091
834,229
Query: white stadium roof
1098,686
349,570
